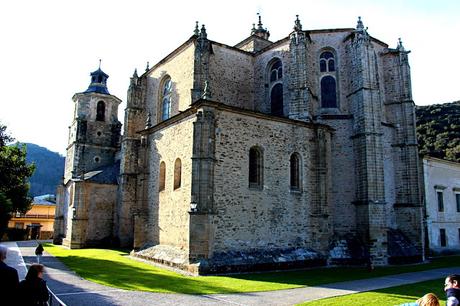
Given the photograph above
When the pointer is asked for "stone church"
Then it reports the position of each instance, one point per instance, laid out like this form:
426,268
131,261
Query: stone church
256,156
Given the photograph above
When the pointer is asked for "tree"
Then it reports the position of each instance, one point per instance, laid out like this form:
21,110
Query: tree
14,175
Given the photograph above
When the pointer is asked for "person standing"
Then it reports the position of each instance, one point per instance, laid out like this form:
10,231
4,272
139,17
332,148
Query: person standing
39,252
33,290
9,279
452,289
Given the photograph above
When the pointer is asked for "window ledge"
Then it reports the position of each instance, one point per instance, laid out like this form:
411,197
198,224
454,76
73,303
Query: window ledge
255,187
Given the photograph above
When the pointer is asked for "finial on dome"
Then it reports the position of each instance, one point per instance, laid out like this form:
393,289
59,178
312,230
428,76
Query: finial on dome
196,32
260,31
100,63
259,25
147,68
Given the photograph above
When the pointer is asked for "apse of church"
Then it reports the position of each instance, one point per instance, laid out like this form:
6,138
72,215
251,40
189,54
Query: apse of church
256,156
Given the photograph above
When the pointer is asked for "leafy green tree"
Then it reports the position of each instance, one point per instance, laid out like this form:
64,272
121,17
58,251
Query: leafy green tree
14,175
438,130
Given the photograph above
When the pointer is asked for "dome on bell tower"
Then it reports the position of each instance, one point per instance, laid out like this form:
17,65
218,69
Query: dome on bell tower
98,82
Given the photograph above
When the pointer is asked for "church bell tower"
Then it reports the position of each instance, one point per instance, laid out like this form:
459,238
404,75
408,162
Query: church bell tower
94,135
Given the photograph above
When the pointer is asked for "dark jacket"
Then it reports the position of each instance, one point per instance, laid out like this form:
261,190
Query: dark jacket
39,250
9,282
33,292
452,293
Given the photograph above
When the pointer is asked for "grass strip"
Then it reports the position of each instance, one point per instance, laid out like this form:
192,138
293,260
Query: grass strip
116,269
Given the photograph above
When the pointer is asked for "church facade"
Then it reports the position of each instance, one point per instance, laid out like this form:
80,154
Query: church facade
256,156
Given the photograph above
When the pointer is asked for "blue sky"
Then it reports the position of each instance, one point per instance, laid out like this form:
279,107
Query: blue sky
49,47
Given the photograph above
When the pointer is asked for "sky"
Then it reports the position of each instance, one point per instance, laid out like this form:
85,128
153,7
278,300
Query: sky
49,47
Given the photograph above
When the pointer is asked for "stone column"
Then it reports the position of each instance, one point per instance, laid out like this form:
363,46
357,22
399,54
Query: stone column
203,160
367,137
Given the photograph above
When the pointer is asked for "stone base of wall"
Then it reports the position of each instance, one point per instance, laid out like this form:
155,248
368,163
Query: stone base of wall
401,250
165,255
233,261
348,251
71,244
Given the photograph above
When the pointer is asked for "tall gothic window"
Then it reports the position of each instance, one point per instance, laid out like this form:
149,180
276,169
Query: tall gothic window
255,167
100,111
276,88
166,99
162,178
328,92
177,173
328,83
295,171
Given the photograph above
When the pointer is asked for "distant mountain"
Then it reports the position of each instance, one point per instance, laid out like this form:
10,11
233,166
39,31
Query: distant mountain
49,169
438,130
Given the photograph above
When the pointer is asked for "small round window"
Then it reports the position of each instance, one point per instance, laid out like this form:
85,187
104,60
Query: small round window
97,159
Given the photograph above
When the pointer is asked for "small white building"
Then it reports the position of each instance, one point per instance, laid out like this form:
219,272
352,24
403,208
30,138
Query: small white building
442,200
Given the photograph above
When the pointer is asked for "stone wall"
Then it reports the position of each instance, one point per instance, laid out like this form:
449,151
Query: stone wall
179,67
274,216
90,214
100,201
343,185
231,77
168,221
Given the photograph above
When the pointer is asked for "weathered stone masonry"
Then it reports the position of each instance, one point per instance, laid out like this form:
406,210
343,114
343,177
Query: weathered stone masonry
350,127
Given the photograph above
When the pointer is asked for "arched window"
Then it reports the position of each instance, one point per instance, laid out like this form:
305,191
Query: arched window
255,167
326,62
328,81
162,178
166,99
276,88
100,111
276,71
294,163
328,92
177,173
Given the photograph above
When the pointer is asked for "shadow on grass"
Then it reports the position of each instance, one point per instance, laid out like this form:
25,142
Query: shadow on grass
320,276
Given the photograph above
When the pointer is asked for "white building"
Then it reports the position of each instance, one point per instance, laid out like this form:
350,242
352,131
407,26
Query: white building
442,198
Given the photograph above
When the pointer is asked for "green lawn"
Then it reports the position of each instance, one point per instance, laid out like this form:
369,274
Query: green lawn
114,268
388,296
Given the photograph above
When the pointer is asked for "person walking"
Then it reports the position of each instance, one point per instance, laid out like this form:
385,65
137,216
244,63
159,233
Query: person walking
39,252
9,280
33,290
452,289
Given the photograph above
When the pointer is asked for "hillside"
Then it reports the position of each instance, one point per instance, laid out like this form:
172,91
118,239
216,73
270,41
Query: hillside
438,130
49,169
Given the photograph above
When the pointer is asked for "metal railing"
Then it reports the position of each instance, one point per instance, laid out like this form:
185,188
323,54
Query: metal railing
54,300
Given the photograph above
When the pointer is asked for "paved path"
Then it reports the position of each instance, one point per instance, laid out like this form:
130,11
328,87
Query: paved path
73,290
